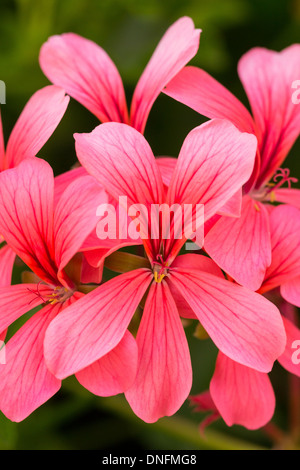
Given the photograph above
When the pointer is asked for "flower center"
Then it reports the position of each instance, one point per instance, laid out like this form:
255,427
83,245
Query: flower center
281,176
160,269
59,294
267,192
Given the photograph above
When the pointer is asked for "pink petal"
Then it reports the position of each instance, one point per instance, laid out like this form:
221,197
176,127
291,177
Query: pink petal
198,90
75,217
7,259
2,338
96,249
89,274
176,48
164,375
290,290
2,147
61,182
290,359
267,77
87,74
36,124
91,328
166,166
26,223
289,196
115,372
194,262
214,162
25,381
243,324
233,206
242,247
19,299
285,241
121,159
242,395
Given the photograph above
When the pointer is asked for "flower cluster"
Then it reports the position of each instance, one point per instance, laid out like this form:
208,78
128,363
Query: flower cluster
126,335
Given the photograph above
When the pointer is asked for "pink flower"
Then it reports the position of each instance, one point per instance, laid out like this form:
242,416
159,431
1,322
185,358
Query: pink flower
242,246
37,122
242,395
237,393
87,73
46,237
214,161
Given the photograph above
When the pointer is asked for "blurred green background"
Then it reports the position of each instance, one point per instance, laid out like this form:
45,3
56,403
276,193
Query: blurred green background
129,31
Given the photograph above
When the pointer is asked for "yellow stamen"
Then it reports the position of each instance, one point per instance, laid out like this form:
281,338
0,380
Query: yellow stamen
160,278
257,207
272,196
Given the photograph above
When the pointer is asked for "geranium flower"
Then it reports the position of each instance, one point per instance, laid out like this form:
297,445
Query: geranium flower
46,237
214,161
36,124
239,394
241,246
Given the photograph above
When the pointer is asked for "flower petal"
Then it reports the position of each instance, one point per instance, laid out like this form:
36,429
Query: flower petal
290,290
26,196
76,216
243,324
87,74
200,91
36,124
176,48
268,77
7,259
2,146
25,381
61,182
285,241
86,331
289,196
120,158
19,299
166,166
115,372
233,206
164,376
290,359
199,263
215,160
242,247
242,395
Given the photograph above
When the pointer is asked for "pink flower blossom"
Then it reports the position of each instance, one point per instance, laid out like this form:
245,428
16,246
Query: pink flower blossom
46,237
241,395
215,160
87,73
36,123
241,246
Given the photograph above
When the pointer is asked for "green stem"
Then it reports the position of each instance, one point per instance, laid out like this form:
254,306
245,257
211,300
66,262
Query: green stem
179,428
